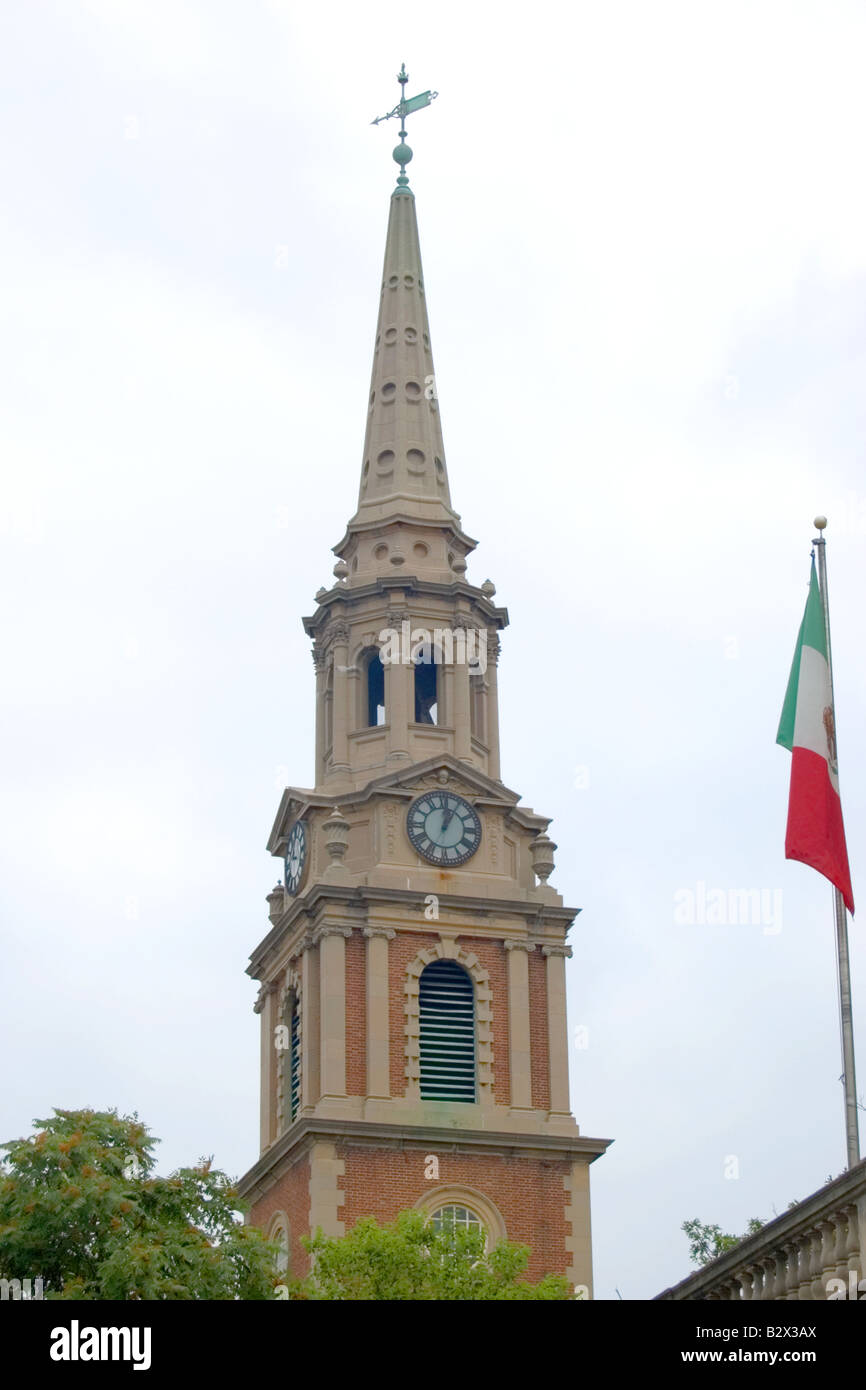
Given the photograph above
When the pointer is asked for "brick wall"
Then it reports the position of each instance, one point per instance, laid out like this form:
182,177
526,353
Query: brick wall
529,1193
291,1194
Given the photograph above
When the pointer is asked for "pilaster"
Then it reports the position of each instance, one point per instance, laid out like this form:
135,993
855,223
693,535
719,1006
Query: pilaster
378,1040
265,1006
331,941
557,1029
519,1053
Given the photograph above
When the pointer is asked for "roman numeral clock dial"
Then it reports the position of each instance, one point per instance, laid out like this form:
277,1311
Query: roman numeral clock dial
443,828
296,856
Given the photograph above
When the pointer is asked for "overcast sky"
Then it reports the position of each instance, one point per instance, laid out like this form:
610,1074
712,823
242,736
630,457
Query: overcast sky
644,241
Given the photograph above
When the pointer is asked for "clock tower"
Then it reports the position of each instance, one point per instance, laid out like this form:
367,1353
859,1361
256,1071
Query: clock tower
414,1045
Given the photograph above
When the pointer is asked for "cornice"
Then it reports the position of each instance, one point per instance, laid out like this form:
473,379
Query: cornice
308,1130
360,897
410,584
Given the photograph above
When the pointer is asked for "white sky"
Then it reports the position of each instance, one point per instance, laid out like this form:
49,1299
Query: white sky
644,240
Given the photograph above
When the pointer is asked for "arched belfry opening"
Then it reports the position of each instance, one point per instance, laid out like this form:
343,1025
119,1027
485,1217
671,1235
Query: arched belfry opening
427,659
373,689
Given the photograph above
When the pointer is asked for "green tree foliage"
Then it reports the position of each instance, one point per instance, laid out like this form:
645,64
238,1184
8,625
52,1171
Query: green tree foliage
706,1243
80,1206
408,1259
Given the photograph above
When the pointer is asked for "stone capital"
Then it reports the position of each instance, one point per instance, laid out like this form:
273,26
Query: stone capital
301,946
519,946
556,951
388,932
329,929
261,997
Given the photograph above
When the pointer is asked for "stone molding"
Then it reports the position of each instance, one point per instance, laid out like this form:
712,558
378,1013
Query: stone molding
307,1130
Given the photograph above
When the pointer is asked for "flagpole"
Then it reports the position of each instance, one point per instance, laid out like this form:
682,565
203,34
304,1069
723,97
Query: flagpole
843,967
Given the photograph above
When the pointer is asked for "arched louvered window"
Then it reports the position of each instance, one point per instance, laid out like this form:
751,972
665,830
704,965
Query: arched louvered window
447,1011
290,1060
294,1062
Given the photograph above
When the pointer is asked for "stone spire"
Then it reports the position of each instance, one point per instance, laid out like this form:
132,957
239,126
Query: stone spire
404,479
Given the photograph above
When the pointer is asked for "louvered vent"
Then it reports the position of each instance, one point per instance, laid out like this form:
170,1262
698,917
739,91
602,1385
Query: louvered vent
295,1064
447,1003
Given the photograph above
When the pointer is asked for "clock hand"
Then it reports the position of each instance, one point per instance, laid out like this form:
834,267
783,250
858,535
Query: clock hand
447,817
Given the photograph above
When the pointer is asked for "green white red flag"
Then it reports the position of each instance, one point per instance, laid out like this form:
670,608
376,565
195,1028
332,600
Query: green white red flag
815,834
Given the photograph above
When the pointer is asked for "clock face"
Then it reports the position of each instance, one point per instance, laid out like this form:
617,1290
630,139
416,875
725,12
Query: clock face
443,827
296,856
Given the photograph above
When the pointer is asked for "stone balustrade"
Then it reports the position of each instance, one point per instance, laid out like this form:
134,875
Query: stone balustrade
795,1256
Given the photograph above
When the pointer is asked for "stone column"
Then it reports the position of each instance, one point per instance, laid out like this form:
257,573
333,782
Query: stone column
519,1056
398,678
319,664
459,716
557,1029
852,1245
332,1009
266,1006
341,699
378,1030
310,1024
493,763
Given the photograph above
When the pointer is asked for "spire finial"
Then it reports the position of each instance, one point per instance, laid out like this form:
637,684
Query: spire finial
402,152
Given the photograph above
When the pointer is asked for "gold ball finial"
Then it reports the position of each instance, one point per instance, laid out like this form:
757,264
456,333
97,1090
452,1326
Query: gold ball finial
820,522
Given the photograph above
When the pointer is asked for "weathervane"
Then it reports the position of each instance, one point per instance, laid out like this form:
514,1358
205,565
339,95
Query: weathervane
404,108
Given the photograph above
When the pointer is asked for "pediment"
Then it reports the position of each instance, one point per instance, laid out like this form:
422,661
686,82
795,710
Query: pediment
440,771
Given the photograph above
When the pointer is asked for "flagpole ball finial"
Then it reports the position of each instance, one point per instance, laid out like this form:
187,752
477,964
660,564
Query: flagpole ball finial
820,522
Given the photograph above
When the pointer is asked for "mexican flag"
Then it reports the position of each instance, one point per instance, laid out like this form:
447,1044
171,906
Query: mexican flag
815,835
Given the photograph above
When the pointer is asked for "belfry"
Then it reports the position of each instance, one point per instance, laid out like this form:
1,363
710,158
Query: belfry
414,1044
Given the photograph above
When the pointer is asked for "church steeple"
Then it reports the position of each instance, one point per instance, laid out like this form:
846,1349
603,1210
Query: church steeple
404,477
412,1000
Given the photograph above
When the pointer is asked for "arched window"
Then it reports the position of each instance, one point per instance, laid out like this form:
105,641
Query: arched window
456,1218
279,1232
373,712
447,1026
